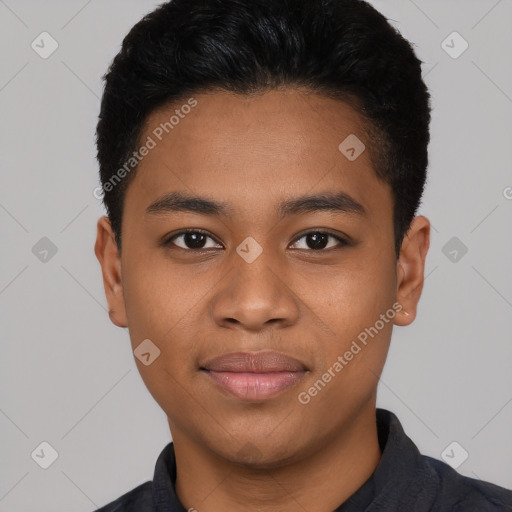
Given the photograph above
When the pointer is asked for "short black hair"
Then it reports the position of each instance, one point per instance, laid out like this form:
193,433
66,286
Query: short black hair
344,49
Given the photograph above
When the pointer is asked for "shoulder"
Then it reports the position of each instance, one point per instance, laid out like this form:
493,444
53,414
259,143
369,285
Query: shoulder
458,493
139,499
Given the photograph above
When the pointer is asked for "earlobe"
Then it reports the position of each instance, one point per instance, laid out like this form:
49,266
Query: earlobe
411,269
107,253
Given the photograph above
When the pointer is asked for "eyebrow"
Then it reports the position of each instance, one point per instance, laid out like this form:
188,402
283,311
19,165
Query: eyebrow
336,202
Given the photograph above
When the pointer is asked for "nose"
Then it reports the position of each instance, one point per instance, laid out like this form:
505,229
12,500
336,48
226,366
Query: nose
255,295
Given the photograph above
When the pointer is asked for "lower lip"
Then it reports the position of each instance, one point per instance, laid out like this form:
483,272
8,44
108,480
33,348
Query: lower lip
255,386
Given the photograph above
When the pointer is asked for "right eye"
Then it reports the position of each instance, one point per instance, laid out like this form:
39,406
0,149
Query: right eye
191,240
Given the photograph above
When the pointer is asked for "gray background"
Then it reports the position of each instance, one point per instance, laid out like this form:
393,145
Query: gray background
67,375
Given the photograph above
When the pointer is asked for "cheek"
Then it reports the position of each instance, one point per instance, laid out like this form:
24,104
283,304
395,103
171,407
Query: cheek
163,303
157,295
356,305
351,297
159,309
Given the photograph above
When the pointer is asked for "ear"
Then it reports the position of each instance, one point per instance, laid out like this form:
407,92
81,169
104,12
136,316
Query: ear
411,269
107,253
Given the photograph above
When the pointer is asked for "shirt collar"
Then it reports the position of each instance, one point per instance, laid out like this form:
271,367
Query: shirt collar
400,477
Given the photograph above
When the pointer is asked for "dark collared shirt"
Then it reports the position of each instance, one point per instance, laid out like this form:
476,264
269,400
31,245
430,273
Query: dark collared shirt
404,481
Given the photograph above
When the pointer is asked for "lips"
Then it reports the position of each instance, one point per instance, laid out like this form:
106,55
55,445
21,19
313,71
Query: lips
254,375
254,362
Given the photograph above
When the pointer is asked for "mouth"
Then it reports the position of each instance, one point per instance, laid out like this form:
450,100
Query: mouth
254,376
255,386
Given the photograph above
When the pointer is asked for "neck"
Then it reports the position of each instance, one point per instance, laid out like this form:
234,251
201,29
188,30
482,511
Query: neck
333,470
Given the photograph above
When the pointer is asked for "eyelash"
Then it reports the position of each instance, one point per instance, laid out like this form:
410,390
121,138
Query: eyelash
169,241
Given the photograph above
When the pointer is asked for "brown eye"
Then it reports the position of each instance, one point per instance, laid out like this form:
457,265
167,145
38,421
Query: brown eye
191,240
319,240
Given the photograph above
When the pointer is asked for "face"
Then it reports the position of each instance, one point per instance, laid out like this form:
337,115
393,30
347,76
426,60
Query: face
291,250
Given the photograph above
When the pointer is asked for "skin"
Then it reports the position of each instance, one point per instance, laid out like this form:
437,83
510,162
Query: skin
253,153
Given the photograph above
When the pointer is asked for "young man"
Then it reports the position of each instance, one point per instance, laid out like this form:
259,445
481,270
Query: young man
262,162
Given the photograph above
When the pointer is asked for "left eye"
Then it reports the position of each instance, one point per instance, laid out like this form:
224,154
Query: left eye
197,240
319,240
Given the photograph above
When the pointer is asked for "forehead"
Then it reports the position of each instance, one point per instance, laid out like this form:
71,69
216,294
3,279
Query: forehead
291,120
253,150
